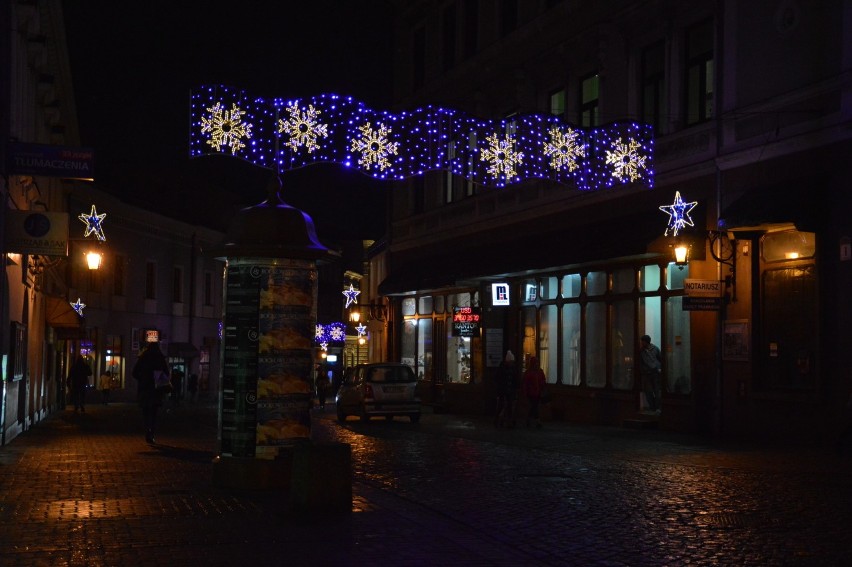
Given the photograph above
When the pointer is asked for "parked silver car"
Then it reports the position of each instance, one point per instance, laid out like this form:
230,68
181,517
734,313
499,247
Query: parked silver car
385,389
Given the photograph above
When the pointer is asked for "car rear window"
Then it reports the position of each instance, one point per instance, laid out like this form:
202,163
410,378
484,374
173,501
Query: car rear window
390,374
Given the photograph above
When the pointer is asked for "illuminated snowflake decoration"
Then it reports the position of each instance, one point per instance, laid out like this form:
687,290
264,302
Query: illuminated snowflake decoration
319,334
337,332
226,128
303,127
362,330
78,306
94,224
626,160
678,214
502,156
374,146
351,295
564,149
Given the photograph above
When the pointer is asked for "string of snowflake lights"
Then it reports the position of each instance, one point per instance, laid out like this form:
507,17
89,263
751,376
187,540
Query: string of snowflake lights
330,333
282,135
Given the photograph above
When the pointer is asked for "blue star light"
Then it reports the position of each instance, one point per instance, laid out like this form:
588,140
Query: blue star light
678,214
94,224
362,329
78,307
351,295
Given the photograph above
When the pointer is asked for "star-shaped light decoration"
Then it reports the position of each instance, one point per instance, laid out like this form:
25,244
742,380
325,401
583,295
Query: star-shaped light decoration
678,214
351,295
362,329
94,224
78,307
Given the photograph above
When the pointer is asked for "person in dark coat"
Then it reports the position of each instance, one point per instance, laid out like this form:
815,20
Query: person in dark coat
149,398
533,384
78,378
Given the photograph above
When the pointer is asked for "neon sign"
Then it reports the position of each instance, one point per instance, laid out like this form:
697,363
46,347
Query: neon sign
466,321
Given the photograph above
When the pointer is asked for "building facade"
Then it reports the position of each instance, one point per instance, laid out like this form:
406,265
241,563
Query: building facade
750,104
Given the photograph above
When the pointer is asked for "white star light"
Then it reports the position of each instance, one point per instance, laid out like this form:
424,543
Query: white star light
678,214
78,307
362,329
94,224
351,295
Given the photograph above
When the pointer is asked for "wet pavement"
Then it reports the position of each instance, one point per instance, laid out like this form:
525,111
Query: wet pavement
85,489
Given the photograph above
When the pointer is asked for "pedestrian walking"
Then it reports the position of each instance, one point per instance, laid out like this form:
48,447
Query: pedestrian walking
322,389
105,385
78,378
533,384
507,387
149,396
651,370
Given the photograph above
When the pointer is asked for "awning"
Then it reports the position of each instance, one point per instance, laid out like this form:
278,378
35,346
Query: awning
776,205
182,350
60,314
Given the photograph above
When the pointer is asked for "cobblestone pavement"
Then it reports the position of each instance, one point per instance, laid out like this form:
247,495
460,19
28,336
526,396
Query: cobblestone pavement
87,490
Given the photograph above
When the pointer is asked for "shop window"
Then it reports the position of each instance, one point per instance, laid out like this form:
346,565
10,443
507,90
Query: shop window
623,345
571,344
549,288
571,285
651,319
528,324
677,348
408,346
649,278
787,245
439,304
790,334
675,276
424,349
596,283
409,306
425,305
546,337
596,344
458,358
530,291
623,280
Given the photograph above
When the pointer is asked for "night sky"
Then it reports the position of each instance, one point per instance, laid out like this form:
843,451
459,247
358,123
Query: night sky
134,64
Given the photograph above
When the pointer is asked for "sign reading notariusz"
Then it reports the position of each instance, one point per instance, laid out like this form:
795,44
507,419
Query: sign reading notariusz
702,295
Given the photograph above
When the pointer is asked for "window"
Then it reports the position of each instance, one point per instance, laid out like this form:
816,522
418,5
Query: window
787,245
150,280
177,285
448,36
471,27
208,288
623,345
596,344
508,16
699,73
571,344
653,85
118,275
547,336
557,103
589,94
418,65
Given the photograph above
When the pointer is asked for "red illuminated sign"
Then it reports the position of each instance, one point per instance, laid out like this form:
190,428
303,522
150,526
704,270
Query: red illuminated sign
466,321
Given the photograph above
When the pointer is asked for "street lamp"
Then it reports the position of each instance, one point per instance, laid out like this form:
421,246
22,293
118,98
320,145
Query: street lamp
93,259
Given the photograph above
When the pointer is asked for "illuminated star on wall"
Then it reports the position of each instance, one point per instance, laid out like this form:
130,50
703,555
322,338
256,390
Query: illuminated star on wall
351,295
78,307
94,224
678,214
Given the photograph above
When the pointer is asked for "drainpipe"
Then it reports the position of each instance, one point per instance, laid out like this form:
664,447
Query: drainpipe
717,106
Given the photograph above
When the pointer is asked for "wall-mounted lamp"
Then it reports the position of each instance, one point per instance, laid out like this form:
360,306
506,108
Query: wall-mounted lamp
377,311
93,259
681,250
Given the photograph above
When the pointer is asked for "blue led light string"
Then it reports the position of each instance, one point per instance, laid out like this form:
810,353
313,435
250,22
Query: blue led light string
282,135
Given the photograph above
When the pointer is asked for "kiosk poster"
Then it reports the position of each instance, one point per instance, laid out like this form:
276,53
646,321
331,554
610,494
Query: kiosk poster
238,398
286,323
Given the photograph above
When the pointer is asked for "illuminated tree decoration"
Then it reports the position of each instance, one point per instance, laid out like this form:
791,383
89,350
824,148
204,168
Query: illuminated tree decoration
564,148
226,128
502,156
374,146
94,224
362,329
336,332
78,306
302,127
275,134
678,214
626,160
351,295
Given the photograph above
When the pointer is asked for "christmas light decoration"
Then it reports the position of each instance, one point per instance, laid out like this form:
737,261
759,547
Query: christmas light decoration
351,295
336,332
282,135
78,306
94,224
320,334
362,329
678,214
